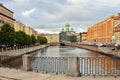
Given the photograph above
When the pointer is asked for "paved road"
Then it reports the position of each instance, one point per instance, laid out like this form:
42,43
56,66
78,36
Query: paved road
13,74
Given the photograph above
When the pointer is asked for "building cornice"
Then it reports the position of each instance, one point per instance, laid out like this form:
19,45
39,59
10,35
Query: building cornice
7,16
116,30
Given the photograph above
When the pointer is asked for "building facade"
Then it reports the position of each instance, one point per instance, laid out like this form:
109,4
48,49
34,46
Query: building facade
117,32
18,26
102,32
83,37
6,16
78,37
52,38
35,33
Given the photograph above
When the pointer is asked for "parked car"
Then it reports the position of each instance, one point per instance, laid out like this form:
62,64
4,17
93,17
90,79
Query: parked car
90,44
101,45
117,46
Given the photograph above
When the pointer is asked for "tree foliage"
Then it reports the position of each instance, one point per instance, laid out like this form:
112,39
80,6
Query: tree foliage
9,37
34,40
7,28
2,37
42,39
23,39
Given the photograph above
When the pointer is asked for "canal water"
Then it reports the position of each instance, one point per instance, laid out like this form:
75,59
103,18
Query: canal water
65,51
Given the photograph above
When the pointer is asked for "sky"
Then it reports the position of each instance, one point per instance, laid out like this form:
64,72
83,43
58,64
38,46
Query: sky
50,16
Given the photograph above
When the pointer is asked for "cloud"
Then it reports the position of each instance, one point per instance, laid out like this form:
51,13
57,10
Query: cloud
51,15
27,13
47,31
78,1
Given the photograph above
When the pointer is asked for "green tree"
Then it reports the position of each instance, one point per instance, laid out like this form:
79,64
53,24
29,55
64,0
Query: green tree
7,35
19,38
27,40
9,39
23,39
45,40
2,37
42,39
7,28
34,40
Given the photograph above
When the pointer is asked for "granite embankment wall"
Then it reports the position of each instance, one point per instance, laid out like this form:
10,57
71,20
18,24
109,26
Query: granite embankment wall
102,50
22,51
11,55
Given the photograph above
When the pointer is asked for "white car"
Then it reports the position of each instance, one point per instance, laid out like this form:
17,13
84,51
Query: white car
100,44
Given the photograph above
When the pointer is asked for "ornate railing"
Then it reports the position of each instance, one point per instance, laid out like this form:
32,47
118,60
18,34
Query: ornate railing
57,65
99,66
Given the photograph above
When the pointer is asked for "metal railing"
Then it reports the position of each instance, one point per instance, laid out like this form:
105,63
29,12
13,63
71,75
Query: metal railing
57,65
99,66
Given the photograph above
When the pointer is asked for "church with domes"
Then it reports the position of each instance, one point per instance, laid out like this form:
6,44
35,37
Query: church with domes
67,34
67,28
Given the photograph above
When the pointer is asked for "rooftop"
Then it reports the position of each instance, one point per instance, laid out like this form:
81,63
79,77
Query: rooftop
6,8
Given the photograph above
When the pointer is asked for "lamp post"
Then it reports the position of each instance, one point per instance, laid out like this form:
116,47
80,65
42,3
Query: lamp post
95,45
95,42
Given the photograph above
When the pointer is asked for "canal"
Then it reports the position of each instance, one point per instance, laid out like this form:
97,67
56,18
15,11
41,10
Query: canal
53,59
66,51
55,51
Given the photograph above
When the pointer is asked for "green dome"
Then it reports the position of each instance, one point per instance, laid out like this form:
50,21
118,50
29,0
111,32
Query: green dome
67,25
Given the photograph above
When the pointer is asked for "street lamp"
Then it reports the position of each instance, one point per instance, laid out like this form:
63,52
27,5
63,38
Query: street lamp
95,42
95,45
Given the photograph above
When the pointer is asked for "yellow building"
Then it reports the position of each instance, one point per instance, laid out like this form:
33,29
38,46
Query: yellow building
18,26
83,37
27,30
6,15
52,38
35,33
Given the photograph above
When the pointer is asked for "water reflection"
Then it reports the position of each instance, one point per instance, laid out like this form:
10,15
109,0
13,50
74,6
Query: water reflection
64,51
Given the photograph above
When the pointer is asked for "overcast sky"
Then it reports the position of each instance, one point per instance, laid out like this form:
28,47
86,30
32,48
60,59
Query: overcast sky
50,16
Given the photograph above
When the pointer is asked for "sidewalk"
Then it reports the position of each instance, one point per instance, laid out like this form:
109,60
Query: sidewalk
13,74
21,51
